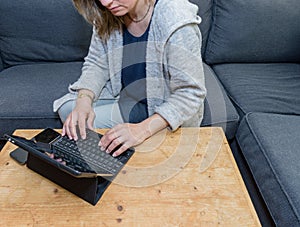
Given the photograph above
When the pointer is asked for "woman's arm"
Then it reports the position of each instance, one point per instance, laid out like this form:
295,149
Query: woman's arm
186,83
185,78
94,73
89,86
129,135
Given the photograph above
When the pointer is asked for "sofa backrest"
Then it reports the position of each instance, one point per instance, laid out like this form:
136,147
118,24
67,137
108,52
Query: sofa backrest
42,30
1,64
254,31
205,12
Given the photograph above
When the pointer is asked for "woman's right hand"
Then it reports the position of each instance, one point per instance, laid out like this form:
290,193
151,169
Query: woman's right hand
83,116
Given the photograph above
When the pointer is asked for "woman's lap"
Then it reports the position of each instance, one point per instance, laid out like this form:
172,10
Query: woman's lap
107,112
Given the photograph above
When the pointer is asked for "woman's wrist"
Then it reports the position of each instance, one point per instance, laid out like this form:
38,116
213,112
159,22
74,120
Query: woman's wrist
85,95
153,124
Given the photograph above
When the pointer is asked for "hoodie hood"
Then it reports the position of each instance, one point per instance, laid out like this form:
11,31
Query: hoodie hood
178,12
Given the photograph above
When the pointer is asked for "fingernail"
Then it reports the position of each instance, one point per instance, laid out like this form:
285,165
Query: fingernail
114,155
102,148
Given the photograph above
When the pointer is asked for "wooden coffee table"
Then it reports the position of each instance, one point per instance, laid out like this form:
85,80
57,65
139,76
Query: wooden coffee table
186,178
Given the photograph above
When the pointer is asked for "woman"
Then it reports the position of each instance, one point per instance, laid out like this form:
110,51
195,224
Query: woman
143,72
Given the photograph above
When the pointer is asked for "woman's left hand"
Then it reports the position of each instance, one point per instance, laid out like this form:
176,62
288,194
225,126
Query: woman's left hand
124,135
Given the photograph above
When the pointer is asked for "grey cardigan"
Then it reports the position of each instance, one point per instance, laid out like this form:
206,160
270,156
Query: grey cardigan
174,72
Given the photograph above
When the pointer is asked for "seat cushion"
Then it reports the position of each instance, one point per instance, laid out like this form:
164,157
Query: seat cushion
270,144
27,32
273,88
218,109
28,91
254,31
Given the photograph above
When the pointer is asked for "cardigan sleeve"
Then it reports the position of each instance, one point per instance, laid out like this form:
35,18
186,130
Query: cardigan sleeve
94,72
185,76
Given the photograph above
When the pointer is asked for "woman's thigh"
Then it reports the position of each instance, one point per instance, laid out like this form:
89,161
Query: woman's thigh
107,112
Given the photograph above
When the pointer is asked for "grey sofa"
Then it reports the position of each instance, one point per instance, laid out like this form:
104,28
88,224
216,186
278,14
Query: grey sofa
42,46
253,48
251,53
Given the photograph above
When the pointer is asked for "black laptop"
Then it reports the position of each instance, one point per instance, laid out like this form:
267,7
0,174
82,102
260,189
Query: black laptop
81,158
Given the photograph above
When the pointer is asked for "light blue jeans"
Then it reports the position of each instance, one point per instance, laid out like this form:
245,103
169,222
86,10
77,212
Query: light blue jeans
107,112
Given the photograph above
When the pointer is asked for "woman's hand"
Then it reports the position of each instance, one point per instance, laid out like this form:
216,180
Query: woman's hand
124,136
127,135
82,115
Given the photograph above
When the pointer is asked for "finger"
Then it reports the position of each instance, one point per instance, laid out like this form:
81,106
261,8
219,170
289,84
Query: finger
122,149
51,155
107,139
82,130
63,133
102,148
66,127
90,121
73,125
113,145
73,131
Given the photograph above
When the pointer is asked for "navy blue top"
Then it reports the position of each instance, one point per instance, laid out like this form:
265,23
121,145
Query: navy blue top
133,100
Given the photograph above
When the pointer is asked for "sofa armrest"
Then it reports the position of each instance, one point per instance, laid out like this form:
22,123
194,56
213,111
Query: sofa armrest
218,108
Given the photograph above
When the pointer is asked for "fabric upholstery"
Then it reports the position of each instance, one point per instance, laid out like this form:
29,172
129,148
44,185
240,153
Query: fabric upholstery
262,87
1,64
26,97
41,31
254,31
205,12
270,144
218,109
258,202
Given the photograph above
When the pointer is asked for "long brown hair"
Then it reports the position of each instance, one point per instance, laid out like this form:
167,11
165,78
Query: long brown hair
96,14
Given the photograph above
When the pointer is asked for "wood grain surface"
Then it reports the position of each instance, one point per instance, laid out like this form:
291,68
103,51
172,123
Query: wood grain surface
185,178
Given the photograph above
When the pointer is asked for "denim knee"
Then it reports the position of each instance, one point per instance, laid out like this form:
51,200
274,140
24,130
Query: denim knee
66,109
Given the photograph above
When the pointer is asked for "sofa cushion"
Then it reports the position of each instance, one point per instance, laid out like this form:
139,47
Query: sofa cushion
218,109
270,144
262,87
254,31
27,28
1,64
26,97
205,12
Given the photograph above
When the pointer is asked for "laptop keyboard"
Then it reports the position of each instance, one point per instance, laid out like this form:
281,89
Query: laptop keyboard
86,156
